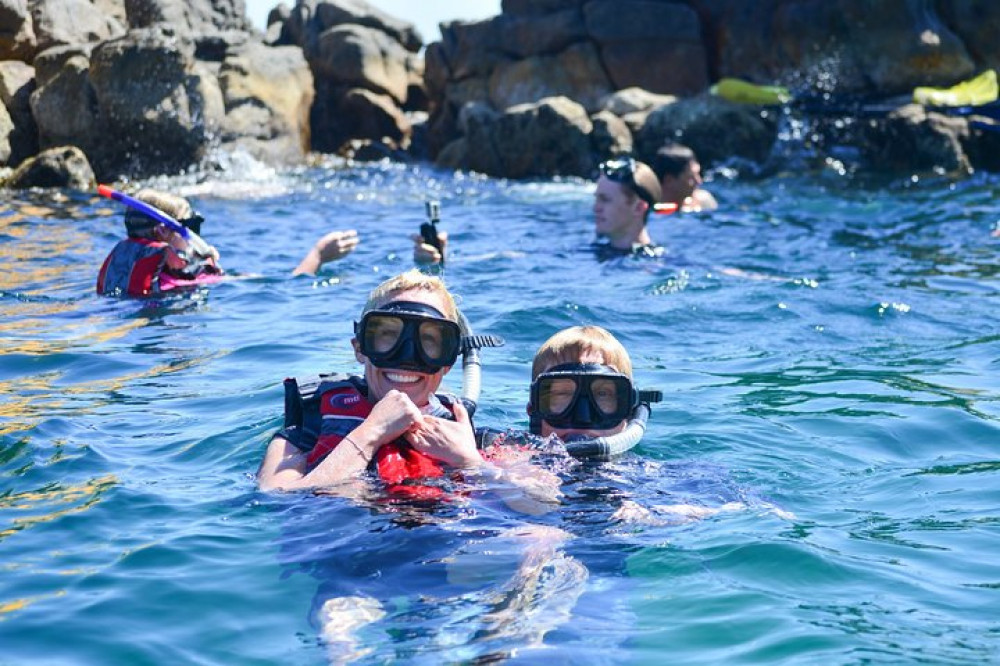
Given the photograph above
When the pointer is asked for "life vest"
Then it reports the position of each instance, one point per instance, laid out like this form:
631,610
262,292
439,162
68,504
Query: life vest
133,267
138,267
319,415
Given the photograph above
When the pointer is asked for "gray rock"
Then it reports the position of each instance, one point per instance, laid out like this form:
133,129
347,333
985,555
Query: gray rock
62,166
17,82
357,56
610,136
551,137
714,128
576,73
62,22
651,45
192,18
911,138
6,129
268,93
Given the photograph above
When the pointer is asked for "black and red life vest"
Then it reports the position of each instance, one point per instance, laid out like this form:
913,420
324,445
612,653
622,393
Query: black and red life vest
133,267
138,267
319,415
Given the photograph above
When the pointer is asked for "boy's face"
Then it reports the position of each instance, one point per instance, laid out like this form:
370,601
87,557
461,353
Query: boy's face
616,214
568,433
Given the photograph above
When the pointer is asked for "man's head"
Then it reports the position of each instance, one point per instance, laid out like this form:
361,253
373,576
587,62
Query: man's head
582,382
408,336
626,192
678,172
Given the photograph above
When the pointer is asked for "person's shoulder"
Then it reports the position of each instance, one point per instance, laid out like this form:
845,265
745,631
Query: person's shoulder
705,200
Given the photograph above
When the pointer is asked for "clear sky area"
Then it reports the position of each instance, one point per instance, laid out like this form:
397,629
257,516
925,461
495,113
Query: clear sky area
424,14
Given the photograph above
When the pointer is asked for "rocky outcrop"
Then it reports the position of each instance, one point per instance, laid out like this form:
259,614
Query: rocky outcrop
826,51
366,70
153,86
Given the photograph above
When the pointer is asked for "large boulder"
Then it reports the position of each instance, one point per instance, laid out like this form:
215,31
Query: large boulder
575,73
62,166
140,105
64,105
651,45
912,138
550,137
268,92
17,82
362,61
356,56
61,22
714,128
159,106
192,18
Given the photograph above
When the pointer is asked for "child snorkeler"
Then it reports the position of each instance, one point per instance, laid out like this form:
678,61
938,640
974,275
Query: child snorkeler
156,258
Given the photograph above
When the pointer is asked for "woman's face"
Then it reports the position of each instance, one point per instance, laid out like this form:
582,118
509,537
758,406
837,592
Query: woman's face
565,433
418,386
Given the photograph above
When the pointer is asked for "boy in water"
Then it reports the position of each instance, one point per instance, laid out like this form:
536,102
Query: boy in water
155,259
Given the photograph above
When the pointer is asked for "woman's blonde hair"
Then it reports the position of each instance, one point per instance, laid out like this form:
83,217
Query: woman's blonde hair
570,344
412,280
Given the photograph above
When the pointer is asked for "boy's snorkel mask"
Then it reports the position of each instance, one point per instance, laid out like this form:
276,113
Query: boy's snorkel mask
589,396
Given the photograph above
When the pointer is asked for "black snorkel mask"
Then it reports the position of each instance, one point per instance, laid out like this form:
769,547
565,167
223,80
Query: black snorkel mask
404,335
584,396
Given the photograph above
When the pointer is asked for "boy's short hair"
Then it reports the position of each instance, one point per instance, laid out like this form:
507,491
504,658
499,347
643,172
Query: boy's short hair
140,225
412,279
671,159
570,344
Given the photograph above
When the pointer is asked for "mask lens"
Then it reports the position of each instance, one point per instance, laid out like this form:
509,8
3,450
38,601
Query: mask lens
605,395
439,341
555,396
382,332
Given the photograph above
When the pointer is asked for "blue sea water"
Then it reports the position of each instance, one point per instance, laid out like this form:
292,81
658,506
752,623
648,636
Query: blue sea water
828,348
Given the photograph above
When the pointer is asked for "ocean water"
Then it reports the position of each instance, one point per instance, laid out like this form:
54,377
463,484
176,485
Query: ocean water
828,348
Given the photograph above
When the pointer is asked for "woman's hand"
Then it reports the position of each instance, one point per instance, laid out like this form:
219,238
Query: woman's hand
391,417
452,442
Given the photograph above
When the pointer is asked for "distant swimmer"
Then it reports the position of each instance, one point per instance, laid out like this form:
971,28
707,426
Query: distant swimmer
158,256
679,172
627,192
164,250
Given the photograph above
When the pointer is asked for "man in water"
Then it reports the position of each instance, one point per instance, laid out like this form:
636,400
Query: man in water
679,172
627,192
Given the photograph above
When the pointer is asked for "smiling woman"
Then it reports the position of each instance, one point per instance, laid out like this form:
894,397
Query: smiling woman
425,15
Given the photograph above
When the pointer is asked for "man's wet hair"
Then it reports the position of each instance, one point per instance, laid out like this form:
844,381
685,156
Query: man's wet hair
671,159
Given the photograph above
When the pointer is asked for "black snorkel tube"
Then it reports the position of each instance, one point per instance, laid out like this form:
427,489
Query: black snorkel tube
609,446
